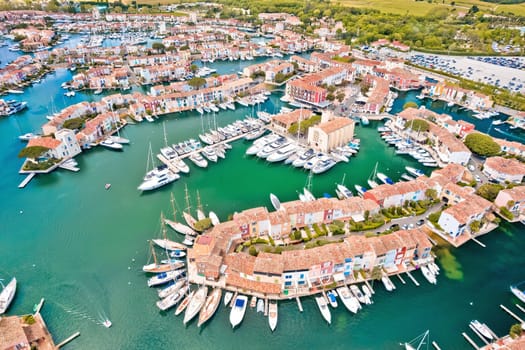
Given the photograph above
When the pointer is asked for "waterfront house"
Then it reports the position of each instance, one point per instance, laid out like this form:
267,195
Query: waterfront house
282,122
456,219
394,251
397,194
511,147
501,169
451,172
453,194
513,199
423,245
253,222
63,145
279,224
407,253
331,133
377,95
304,65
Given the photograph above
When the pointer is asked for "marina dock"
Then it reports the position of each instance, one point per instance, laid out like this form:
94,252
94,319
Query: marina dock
470,340
69,167
435,345
412,278
512,313
401,278
299,305
26,180
519,307
478,334
67,340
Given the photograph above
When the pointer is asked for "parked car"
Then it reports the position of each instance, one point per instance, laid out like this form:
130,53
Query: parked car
420,222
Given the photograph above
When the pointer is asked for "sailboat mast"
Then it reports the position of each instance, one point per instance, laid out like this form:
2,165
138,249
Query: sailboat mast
199,205
172,201
165,137
153,252
187,198
150,158
163,225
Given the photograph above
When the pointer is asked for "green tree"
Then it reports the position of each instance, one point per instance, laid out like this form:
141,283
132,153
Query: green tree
253,251
409,104
74,123
431,194
159,47
340,96
203,224
194,68
489,191
196,82
482,144
418,125
475,226
515,331
32,152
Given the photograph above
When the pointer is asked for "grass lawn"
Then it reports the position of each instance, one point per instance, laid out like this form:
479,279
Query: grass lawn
423,7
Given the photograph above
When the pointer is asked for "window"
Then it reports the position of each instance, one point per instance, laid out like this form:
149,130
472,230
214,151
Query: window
288,283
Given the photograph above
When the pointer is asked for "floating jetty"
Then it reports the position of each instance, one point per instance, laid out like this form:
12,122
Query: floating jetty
412,278
299,305
470,340
67,340
26,180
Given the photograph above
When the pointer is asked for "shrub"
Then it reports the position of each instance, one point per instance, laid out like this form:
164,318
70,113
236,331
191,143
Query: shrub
489,191
482,144
506,213
203,224
434,217
297,235
253,251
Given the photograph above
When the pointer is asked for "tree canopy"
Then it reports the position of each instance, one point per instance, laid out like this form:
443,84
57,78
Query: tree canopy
74,123
489,191
304,125
32,152
418,125
482,144
197,82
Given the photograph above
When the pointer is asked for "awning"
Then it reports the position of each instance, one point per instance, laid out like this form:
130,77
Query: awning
358,217
339,277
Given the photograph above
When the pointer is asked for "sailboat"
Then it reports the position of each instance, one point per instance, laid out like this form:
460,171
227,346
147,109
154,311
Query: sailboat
418,342
342,191
196,303
7,295
166,243
214,218
177,226
155,267
371,181
190,220
200,212
210,306
306,190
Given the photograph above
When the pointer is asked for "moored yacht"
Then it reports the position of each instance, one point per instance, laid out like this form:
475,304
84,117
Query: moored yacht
172,299
324,164
303,157
210,153
384,179
195,304
272,314
414,172
7,295
360,189
110,144
161,177
323,308
181,165
345,192
238,310
349,301
198,160
210,306
165,277
282,153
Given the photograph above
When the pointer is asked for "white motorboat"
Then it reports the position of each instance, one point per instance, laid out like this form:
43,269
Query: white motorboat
200,110
181,165
168,152
349,301
308,195
156,268
414,172
339,157
227,298
389,286
272,314
303,157
260,143
276,203
27,137
282,153
164,292
118,139
482,329
345,192
107,323
210,306
384,179
7,295
367,292
260,305
210,154
272,147
172,299
332,298
429,276
198,160
497,122
518,291
178,253
238,310
407,177
161,178
358,294
323,308
110,144
214,218
360,189
165,277
254,134
450,104
196,303
372,183
323,164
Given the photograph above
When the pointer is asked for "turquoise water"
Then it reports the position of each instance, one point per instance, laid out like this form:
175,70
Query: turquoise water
81,247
